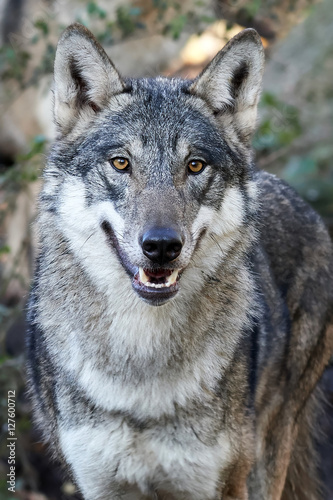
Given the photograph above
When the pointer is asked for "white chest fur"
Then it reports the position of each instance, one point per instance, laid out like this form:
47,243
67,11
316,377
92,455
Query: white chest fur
112,461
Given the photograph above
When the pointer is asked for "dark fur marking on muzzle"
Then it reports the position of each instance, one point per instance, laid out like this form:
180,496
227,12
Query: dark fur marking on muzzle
112,239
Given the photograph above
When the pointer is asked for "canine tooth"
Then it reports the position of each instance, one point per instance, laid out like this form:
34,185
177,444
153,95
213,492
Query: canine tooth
143,276
172,278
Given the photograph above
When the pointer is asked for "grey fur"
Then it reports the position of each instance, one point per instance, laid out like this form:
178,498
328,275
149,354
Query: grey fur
205,396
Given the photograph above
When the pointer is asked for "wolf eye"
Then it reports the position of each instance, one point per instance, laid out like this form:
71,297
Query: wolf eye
195,166
120,164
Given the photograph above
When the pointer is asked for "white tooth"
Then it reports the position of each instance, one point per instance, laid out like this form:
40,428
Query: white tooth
143,276
155,285
172,278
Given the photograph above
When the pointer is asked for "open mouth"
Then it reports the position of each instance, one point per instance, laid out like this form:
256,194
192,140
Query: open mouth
161,278
158,285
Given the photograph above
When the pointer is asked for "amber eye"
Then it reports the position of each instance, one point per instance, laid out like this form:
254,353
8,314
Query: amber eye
195,166
120,163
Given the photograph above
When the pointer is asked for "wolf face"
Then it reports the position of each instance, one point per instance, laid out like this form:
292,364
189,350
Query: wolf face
157,170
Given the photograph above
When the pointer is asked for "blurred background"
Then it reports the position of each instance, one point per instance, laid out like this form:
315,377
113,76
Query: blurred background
144,38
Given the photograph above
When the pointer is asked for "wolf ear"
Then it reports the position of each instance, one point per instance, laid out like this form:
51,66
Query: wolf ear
231,82
84,78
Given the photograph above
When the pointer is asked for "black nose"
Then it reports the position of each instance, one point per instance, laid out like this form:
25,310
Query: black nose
161,244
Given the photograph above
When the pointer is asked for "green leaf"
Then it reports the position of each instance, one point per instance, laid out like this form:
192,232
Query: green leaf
42,26
94,10
37,147
5,249
176,26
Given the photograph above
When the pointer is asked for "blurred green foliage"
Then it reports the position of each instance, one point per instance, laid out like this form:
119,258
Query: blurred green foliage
25,170
308,170
279,125
13,180
13,63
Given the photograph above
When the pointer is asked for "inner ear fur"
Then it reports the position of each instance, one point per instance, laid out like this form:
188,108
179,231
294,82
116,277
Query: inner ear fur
84,78
231,82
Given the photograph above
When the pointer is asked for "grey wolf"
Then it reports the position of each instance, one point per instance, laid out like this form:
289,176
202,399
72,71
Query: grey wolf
181,312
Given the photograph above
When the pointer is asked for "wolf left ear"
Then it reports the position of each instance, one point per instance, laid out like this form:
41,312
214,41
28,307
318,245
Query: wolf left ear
84,78
231,82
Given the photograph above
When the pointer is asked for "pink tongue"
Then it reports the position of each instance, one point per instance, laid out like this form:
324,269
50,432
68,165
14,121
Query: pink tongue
163,273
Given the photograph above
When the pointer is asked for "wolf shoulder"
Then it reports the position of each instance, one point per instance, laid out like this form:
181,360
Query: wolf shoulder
292,234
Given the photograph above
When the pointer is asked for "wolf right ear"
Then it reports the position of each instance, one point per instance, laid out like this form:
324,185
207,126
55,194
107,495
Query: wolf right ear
84,78
231,82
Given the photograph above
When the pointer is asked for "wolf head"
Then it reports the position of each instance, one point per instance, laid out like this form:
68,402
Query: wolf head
152,178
